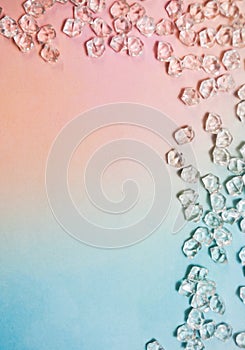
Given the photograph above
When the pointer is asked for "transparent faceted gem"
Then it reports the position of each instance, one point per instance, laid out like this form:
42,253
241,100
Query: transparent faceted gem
240,340
225,83
197,273
223,237
200,302
207,37
191,247
207,330
195,319
135,46
213,123
190,96
242,294
100,27
242,256
83,13
185,333
184,135
238,37
119,8
242,225
203,235
224,35
187,288
211,183
196,12
184,22
230,216
221,156
235,186
174,67
175,158
174,8
146,25
193,212
165,27
50,53
187,197
118,43
211,9
236,166
218,254
46,34
122,25
191,62
242,150
47,3
241,207
188,37
28,24
164,51
73,27
213,220
223,331
241,92
231,60
228,9
240,110
224,138
190,174
207,88
34,8
8,27
217,304
217,201
211,64
24,42
195,344
95,47
96,5
206,287
136,11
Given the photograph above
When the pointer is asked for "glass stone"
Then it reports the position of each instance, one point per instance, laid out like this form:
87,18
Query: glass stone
242,256
136,11
242,294
217,201
197,273
242,225
207,37
184,22
154,345
191,247
73,27
211,183
224,138
196,12
50,53
211,64
187,288
185,333
240,340
46,34
195,319
213,220
228,9
224,35
203,235
184,135
135,46
211,9
223,331
240,110
218,255
118,42
47,3
100,27
122,25
235,186
33,8
231,60
190,96
221,156
241,92
195,344
241,207
96,5
174,8
207,330
207,88
24,42
200,302
28,24
230,216
191,62
190,174
164,51
146,25
217,304
165,27
83,13
95,47
188,37
187,197
225,83
174,67
206,287
238,37
8,27
242,150
119,8
236,166
175,158
213,123
223,237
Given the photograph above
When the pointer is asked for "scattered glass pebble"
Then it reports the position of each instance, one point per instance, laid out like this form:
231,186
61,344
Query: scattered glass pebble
73,27
175,158
165,27
213,220
231,60
119,8
190,96
164,51
225,83
46,34
185,333
146,25
240,340
195,319
191,248
211,183
207,37
8,27
95,47
224,35
242,256
195,344
208,88
154,345
241,92
206,287
187,287
50,53
218,254
136,11
213,123
230,215
118,43
200,302
28,24
203,235
34,8
235,186
217,304
193,212
223,331
242,294
221,156
207,330
175,70
223,138
192,62
190,174
236,166
135,46
211,64
197,273
187,197
100,27
184,135
24,42
240,111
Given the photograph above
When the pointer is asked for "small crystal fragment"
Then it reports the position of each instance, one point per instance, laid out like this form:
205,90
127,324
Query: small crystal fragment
242,294
174,67
207,37
187,288
211,9
231,60
197,274
136,11
165,27
83,13
241,207
240,340
193,212
175,158
28,24
230,216
135,46
96,5
238,37
46,34
221,156
164,51
190,174
191,62
184,135
223,331
241,92
122,25
146,25
174,8
200,302
213,220
195,319
118,43
228,9
217,201
224,35
95,47
119,8
190,96
100,27
236,166
217,304
242,150
242,256
223,237
185,333
211,183
24,42
196,12
218,254
195,344
225,83
207,330
184,22
8,27
213,123
206,287
240,110
73,27
191,247
187,197
203,235
154,345
211,64
235,186
188,37
49,53
224,138
33,8
208,88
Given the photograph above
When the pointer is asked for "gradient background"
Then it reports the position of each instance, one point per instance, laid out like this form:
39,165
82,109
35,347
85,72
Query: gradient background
57,293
